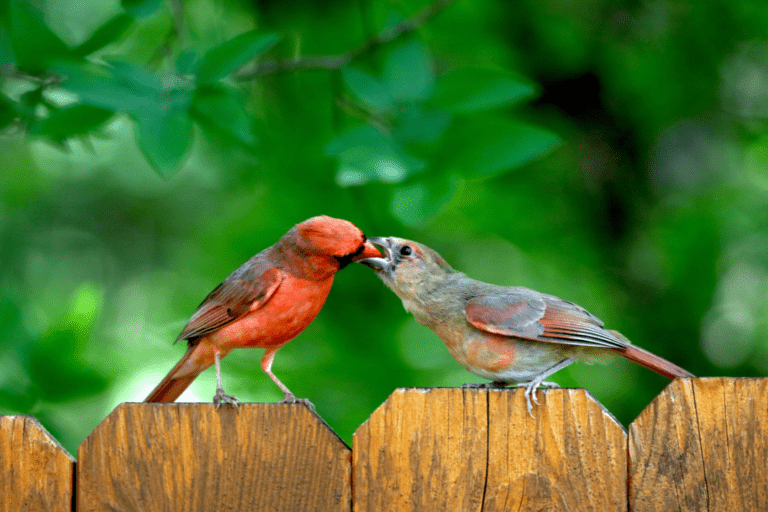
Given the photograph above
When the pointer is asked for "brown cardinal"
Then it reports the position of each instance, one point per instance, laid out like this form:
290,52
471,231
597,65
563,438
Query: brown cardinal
508,334
266,303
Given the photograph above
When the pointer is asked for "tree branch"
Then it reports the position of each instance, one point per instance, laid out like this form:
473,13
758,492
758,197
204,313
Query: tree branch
338,61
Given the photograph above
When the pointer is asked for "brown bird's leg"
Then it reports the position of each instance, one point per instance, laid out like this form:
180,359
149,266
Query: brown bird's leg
266,367
220,397
532,386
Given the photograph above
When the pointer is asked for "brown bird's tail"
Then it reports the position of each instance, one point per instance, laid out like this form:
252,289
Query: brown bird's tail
174,385
654,362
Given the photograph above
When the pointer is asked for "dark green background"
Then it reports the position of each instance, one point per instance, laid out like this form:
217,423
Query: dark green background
611,153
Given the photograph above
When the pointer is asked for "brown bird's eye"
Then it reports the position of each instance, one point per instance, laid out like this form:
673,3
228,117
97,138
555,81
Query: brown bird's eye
406,250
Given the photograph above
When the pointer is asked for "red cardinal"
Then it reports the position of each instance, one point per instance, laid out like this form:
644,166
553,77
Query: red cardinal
507,334
266,303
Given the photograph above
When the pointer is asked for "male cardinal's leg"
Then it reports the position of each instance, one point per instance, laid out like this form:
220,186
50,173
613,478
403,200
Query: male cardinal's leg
220,397
533,385
266,367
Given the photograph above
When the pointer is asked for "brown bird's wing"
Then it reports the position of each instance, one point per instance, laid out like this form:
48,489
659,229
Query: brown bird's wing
237,295
531,315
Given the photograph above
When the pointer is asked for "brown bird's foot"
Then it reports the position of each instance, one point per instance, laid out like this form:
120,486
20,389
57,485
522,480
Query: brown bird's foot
291,399
531,389
220,398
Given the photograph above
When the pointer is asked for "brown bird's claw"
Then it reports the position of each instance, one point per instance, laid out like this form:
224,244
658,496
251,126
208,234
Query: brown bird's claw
291,399
220,398
531,389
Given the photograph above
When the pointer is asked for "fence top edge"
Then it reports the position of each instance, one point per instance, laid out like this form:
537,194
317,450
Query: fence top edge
33,422
511,389
212,409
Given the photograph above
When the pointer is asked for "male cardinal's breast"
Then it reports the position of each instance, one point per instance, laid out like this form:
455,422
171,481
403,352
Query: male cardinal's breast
288,312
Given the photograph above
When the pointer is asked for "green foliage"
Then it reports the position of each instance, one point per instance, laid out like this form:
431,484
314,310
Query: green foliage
610,154
106,34
229,56
34,44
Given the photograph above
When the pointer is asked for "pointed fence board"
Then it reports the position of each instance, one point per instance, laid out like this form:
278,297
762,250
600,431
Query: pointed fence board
179,457
36,472
478,449
702,445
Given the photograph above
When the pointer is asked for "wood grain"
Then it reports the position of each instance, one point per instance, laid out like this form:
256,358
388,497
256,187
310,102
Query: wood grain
36,473
185,457
477,449
702,445
571,456
423,449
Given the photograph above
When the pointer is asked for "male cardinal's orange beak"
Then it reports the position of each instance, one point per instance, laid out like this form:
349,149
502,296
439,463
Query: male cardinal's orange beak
376,261
369,251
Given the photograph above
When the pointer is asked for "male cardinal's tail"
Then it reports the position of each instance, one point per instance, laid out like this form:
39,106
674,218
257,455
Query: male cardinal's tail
176,381
654,362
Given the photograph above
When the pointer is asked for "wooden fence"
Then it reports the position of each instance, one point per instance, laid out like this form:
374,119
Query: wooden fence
701,445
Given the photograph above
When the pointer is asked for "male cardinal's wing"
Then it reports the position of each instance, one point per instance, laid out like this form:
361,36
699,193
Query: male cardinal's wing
531,315
236,296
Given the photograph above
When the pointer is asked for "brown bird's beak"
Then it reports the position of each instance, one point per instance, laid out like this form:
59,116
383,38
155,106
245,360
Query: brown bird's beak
376,262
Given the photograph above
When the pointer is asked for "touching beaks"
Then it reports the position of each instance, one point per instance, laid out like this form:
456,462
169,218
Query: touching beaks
377,262
369,251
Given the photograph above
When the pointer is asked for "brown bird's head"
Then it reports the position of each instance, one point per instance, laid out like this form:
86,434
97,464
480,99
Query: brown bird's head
407,267
334,239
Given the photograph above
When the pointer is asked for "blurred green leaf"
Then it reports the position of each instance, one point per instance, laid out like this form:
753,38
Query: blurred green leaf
365,154
34,44
186,62
485,145
416,204
164,136
136,78
225,58
368,89
7,111
222,109
470,90
140,8
416,124
408,72
6,50
55,363
67,122
16,397
101,86
29,102
57,370
108,33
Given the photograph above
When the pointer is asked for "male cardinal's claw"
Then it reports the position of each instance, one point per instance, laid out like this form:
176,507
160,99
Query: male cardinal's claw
220,398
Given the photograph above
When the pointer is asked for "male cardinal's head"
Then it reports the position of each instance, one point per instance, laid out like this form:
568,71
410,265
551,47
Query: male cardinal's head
406,265
336,238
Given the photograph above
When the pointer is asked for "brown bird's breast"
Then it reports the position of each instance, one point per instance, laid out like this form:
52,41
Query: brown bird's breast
500,358
290,310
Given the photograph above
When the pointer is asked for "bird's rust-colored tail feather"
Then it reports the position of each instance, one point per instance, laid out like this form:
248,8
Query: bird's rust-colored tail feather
654,362
172,386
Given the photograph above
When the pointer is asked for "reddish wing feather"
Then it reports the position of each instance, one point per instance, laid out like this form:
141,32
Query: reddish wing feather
531,315
230,300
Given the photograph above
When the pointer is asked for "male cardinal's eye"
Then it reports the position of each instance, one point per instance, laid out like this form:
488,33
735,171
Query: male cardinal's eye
406,250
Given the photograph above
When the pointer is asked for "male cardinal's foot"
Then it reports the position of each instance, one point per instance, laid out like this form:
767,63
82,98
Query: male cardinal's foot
291,399
220,398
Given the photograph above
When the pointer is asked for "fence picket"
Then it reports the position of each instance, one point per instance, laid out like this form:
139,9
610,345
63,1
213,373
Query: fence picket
478,449
36,473
702,444
176,457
